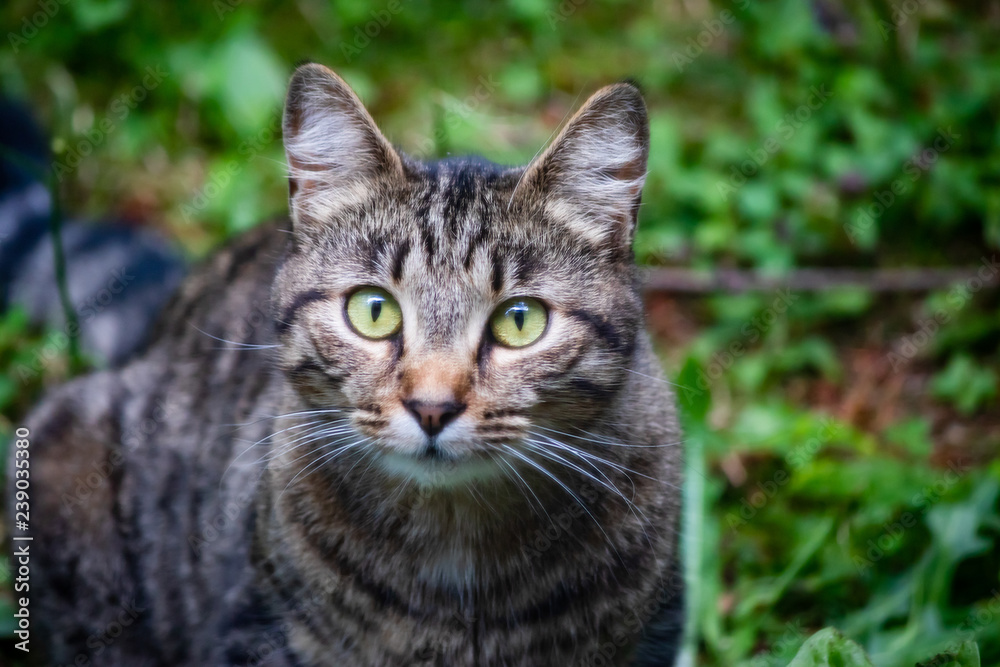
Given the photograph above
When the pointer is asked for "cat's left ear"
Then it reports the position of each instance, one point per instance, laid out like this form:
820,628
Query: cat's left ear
591,176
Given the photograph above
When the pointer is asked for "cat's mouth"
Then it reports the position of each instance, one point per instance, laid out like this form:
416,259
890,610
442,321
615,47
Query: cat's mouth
432,452
432,467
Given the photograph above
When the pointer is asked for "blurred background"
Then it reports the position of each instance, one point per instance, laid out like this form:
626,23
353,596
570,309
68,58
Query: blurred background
842,432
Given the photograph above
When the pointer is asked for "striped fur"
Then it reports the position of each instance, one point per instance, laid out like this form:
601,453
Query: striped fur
266,498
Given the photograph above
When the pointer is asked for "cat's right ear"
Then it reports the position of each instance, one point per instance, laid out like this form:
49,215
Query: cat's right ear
333,147
592,174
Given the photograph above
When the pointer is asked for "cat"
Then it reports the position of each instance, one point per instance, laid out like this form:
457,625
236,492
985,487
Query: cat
423,425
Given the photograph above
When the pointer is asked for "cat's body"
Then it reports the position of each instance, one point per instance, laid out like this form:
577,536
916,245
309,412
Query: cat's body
273,487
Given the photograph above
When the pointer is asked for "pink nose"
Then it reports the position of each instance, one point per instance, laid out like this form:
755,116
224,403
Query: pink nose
433,417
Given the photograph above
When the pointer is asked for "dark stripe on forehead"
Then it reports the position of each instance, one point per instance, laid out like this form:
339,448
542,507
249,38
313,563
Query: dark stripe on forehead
301,300
423,211
372,249
497,272
398,257
459,196
478,239
528,264
427,238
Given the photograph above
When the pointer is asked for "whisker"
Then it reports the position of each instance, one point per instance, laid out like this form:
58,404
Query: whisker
263,440
590,455
239,345
609,485
323,460
306,439
299,413
527,486
545,471
596,438
653,377
360,459
365,471
630,503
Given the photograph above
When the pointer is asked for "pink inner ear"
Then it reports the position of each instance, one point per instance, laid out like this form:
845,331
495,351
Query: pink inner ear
627,172
298,183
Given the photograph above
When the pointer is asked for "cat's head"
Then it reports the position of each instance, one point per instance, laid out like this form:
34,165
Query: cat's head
455,310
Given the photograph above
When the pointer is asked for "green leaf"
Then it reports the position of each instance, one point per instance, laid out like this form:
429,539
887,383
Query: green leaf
914,434
92,15
966,383
955,526
249,81
829,648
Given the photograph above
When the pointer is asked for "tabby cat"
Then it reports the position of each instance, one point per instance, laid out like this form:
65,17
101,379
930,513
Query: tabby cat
420,425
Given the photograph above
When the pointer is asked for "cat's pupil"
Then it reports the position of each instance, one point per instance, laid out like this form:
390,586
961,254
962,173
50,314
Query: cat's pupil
376,310
519,319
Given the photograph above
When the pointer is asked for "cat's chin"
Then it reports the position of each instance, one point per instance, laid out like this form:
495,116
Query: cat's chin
436,472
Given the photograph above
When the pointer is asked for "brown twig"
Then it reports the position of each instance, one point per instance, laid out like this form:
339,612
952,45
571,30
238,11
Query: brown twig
663,279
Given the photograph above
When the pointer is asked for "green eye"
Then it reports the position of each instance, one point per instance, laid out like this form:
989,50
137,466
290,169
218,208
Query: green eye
373,313
519,322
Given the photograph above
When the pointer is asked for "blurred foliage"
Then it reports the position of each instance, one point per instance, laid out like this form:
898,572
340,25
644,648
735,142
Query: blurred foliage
785,133
832,528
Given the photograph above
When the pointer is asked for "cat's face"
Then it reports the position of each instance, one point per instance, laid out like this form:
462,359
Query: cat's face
458,310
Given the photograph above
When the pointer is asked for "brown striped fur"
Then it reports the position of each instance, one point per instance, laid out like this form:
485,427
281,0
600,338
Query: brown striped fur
264,496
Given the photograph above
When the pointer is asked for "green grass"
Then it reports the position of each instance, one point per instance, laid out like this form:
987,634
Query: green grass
841,447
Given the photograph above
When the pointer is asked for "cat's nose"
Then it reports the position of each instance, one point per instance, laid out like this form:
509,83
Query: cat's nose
433,417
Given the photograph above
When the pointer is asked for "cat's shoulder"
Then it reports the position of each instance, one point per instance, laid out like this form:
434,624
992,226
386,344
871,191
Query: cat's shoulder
231,285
